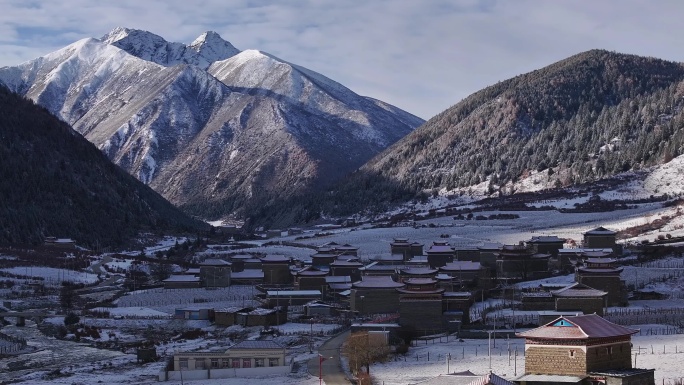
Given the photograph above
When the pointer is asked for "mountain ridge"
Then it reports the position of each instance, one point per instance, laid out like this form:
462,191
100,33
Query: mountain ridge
534,103
204,50
247,130
581,119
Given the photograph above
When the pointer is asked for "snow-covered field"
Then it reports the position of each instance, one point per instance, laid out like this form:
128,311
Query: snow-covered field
373,242
53,276
168,300
301,253
124,264
162,245
132,312
473,355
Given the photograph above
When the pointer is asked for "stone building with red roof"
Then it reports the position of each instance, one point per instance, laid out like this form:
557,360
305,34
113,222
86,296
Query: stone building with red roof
375,294
599,237
585,349
405,248
580,297
520,263
604,274
439,254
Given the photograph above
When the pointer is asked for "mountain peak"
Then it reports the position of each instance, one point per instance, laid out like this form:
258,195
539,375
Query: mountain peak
209,37
212,47
206,49
119,34
116,34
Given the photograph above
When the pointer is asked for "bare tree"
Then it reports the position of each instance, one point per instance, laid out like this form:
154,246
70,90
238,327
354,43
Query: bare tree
364,348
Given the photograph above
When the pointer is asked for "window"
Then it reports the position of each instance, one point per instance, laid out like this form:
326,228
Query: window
259,363
235,363
199,363
246,362
183,363
273,362
225,363
214,363
572,353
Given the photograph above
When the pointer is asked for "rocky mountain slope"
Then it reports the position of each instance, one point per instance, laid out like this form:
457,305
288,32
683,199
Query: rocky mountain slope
584,118
214,130
56,183
206,49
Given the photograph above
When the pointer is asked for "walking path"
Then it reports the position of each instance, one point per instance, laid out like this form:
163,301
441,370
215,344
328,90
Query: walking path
331,367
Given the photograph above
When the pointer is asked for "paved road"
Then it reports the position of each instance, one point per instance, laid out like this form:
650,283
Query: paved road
331,367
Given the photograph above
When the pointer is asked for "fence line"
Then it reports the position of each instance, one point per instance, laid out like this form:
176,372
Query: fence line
15,344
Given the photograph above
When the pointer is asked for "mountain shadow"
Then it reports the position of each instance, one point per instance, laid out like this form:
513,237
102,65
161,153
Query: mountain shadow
369,194
56,183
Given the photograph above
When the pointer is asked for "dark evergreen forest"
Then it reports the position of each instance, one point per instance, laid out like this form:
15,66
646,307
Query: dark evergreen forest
53,182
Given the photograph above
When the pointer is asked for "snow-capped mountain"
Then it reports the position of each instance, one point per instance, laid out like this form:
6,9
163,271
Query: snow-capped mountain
212,129
206,49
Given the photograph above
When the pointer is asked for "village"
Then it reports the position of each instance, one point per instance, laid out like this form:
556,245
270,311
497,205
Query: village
412,293
265,310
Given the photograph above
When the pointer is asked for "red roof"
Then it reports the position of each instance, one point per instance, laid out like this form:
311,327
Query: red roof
578,327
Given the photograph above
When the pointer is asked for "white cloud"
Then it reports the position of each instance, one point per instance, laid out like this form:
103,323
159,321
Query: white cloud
421,56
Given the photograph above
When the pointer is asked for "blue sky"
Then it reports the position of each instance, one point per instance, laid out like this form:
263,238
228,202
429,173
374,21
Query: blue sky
422,56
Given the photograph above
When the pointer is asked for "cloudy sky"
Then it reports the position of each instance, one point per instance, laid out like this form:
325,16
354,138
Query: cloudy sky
420,55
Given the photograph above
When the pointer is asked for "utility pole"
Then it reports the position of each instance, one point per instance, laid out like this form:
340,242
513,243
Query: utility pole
515,365
494,329
489,346
311,337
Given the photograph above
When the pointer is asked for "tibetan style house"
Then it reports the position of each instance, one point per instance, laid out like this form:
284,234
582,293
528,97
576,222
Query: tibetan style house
585,349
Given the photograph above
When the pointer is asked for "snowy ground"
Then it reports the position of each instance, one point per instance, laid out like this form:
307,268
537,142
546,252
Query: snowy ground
373,242
663,179
168,300
473,355
149,310
53,276
301,253
161,245
81,364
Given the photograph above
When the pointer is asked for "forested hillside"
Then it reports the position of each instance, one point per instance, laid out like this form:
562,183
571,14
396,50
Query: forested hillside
561,116
56,183
584,118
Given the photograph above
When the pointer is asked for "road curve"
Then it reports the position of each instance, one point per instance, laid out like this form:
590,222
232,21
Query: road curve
331,367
